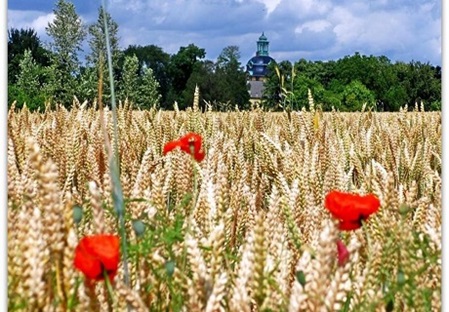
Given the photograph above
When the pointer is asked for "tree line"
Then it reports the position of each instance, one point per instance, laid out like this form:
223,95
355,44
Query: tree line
350,82
40,73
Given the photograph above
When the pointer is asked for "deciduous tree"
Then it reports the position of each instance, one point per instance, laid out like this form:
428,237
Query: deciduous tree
20,40
153,57
67,33
148,95
181,67
130,79
98,51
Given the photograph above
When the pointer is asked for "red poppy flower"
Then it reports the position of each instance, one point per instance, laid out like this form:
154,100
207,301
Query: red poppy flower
190,143
351,209
170,146
97,253
343,253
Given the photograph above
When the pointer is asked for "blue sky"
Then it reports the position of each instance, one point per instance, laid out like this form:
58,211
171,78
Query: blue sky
402,30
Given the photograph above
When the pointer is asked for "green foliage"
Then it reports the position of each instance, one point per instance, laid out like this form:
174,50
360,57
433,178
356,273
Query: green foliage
229,55
435,105
222,84
130,77
87,84
181,67
278,85
97,43
301,86
355,95
148,90
28,78
381,84
67,32
231,78
153,57
202,76
32,87
423,83
97,39
344,84
18,42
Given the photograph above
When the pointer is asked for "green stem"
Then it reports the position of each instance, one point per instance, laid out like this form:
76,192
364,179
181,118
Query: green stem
117,192
72,298
109,287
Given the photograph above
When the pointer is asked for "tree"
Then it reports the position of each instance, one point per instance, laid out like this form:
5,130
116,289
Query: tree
395,98
302,85
67,32
28,77
98,51
355,95
87,88
278,82
28,87
18,42
181,67
148,90
222,83
422,84
229,55
231,78
203,77
153,57
130,79
97,40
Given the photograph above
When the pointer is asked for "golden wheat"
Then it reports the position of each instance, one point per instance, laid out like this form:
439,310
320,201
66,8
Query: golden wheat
245,229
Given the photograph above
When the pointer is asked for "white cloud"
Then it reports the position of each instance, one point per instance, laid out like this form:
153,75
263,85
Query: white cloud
42,21
314,29
315,26
30,19
400,32
308,8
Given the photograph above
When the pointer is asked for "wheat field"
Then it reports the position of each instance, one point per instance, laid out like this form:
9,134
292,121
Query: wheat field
243,230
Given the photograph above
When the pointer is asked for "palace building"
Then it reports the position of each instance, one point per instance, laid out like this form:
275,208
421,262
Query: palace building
256,69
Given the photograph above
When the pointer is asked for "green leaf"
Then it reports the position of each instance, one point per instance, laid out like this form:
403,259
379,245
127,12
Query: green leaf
301,277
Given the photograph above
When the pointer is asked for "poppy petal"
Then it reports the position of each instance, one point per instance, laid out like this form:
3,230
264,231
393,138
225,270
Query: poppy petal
89,265
106,249
350,208
189,143
168,147
339,205
199,156
343,253
185,147
369,205
192,139
349,225
97,253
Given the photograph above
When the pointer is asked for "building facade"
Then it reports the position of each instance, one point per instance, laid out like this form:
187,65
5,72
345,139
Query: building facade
257,69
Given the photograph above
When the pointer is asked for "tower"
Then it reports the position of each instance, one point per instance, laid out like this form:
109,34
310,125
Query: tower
257,69
262,46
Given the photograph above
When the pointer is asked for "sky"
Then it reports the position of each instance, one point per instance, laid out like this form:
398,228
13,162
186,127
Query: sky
402,30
